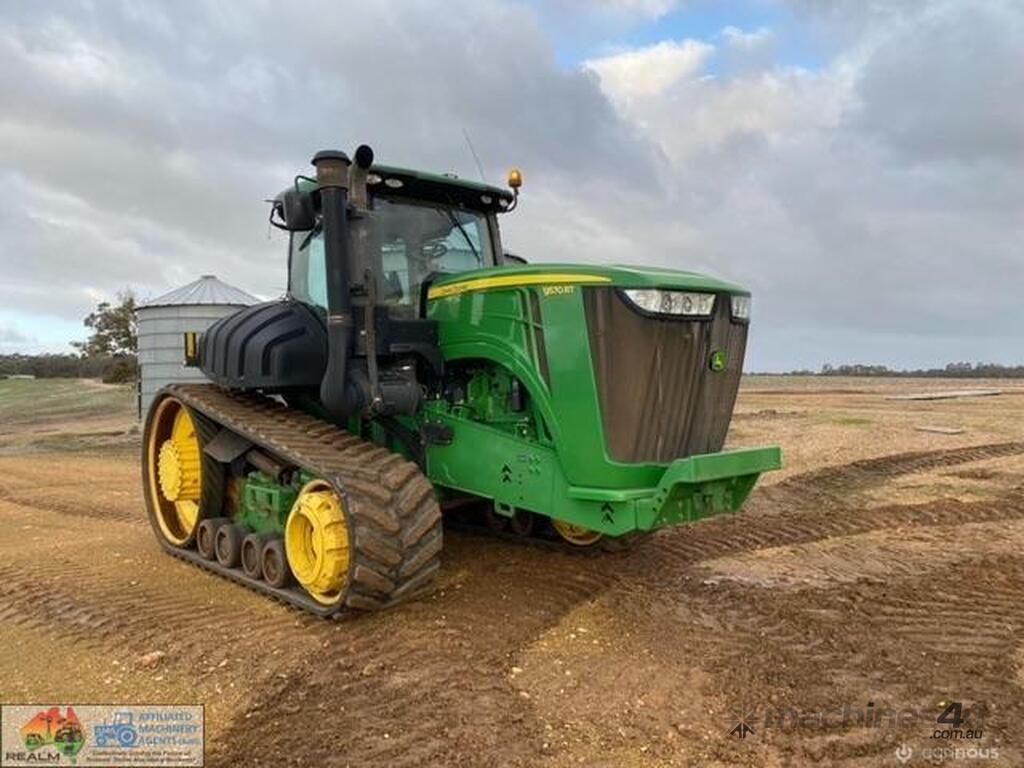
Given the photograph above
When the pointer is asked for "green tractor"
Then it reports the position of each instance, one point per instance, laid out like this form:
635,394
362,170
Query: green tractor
413,367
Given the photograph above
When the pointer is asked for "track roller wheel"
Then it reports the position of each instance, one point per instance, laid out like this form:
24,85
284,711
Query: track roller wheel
182,484
274,563
206,536
521,523
316,541
577,535
252,546
228,545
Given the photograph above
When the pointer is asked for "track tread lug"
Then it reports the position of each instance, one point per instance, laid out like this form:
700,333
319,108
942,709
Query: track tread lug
429,548
421,525
370,578
379,548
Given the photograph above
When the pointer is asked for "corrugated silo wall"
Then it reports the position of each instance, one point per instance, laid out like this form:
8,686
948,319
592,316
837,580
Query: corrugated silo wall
162,344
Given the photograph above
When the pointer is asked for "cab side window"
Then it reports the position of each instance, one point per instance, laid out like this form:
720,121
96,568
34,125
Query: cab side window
307,274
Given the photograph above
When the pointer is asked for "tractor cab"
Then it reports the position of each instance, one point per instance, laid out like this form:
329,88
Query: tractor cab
411,229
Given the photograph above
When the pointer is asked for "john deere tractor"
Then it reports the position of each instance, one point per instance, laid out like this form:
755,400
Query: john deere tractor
415,367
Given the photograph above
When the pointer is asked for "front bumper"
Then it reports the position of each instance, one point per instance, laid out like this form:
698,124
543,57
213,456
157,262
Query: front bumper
700,486
518,473
690,489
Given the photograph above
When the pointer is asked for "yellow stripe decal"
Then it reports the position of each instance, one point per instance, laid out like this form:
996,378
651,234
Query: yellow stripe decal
511,281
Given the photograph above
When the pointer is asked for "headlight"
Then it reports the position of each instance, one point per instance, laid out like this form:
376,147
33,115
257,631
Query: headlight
741,308
682,303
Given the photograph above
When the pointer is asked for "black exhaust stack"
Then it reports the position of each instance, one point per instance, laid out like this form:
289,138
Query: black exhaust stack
337,392
348,389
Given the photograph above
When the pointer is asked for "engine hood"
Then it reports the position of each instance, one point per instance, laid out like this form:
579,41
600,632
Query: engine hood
620,276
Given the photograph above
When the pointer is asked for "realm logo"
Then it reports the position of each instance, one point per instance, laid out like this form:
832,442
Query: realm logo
61,734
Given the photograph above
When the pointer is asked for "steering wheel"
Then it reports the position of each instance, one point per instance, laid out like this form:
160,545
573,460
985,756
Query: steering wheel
435,250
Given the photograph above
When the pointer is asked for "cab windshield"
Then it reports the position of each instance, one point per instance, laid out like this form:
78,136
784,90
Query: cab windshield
421,239
412,240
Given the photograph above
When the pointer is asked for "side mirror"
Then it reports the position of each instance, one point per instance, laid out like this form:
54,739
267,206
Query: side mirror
296,210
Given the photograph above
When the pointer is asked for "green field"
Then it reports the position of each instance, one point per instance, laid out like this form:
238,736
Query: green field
46,401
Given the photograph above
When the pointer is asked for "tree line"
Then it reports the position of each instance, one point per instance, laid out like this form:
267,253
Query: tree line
949,371
110,353
68,366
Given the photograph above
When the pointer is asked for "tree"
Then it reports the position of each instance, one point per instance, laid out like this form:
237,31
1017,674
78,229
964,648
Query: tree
114,330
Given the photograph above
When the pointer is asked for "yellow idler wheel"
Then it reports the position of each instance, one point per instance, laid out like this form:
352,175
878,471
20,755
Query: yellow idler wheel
317,544
576,534
175,470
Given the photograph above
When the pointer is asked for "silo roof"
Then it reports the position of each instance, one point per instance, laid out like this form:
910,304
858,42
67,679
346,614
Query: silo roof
206,290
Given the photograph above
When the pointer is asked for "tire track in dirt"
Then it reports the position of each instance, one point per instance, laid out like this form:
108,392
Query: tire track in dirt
972,610
941,633
410,673
402,696
107,583
33,500
832,486
926,639
103,603
409,687
879,555
662,558
74,485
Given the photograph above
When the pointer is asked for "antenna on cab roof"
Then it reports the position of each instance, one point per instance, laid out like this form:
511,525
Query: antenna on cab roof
476,159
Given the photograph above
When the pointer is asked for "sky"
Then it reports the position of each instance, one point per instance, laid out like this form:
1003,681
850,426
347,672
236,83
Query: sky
857,164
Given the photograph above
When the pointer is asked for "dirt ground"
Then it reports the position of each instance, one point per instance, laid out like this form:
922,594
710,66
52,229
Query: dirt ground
873,582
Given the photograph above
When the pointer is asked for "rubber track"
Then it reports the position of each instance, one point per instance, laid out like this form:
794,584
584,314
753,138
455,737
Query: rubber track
394,518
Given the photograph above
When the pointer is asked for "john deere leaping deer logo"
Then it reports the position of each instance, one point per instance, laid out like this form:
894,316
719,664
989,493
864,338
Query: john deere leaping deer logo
718,361
49,729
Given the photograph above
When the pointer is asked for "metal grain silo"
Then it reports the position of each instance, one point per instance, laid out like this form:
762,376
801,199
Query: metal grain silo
163,322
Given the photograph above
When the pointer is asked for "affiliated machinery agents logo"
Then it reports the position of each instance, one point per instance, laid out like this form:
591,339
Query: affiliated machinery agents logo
120,732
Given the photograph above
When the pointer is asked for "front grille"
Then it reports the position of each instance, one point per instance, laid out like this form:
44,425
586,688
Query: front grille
660,400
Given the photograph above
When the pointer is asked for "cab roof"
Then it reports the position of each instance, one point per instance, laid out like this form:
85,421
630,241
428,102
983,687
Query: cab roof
435,187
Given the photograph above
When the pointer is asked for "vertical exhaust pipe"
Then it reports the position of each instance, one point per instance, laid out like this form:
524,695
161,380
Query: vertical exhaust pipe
337,394
345,391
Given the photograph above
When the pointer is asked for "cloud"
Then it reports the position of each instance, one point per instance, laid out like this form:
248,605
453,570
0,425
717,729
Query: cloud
139,142
668,91
11,336
744,52
649,72
873,203
643,9
948,87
